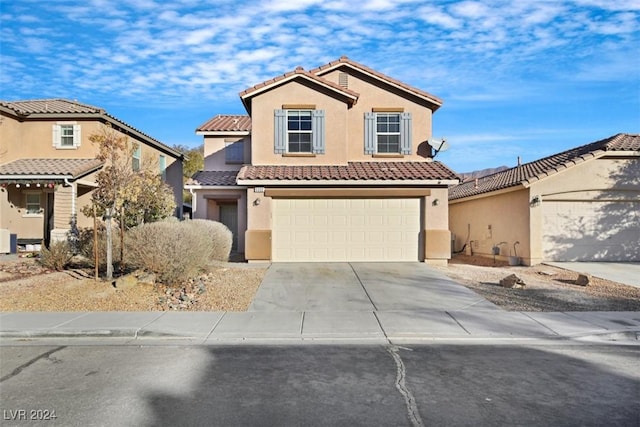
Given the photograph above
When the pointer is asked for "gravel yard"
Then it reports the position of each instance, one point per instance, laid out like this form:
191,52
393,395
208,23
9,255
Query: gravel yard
547,288
25,286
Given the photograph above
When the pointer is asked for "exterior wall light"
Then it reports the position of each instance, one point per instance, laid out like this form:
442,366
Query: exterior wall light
257,202
535,201
435,202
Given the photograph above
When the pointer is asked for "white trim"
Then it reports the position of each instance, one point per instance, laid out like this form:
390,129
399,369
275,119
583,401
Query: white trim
317,80
353,183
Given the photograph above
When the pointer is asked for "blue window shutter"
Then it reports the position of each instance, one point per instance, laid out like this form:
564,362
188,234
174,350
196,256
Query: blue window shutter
280,132
317,126
405,133
370,133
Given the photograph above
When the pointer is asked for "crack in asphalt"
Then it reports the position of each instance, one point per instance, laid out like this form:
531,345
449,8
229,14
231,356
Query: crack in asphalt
31,362
409,399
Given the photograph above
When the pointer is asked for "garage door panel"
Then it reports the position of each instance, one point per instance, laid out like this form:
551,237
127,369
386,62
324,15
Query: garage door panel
346,229
591,231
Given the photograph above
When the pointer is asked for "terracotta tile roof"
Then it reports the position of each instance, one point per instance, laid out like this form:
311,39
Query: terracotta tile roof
226,123
73,168
538,169
343,60
56,107
353,171
49,106
213,178
299,71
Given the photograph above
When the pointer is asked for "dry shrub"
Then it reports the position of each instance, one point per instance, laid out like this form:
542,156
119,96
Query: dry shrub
85,246
57,256
175,251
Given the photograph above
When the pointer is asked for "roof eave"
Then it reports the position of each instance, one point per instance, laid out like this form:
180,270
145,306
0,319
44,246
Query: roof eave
352,182
223,132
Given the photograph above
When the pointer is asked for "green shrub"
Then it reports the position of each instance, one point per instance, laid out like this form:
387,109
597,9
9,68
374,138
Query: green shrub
57,256
175,251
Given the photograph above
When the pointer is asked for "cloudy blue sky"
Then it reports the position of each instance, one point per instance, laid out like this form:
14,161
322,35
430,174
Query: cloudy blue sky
522,78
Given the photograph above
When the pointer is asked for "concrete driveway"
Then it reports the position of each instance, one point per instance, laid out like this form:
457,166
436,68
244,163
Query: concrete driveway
362,287
627,273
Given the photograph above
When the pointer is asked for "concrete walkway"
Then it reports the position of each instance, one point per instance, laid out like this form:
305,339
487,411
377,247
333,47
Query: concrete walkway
627,273
333,302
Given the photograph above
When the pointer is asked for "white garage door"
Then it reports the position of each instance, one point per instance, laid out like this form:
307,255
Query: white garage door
591,231
345,229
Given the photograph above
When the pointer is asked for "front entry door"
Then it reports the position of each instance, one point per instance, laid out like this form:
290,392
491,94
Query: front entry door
229,217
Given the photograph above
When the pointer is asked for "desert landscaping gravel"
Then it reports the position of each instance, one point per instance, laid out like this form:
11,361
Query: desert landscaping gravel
26,286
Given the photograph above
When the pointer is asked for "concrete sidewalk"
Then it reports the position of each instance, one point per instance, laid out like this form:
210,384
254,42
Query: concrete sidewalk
318,327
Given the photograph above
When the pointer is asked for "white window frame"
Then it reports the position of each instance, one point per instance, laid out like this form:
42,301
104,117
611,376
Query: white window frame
27,212
300,132
136,158
162,163
387,133
72,131
234,152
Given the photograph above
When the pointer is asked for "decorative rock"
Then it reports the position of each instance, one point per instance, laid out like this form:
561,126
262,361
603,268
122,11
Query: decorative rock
583,279
512,281
125,282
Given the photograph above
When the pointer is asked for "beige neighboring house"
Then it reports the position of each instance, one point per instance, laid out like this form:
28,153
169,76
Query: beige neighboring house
579,205
48,165
330,164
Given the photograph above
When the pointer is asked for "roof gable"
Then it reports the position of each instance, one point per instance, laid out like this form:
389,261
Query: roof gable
344,61
528,173
299,73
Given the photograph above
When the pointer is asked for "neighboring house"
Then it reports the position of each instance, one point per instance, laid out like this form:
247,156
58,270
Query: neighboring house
330,164
579,205
48,165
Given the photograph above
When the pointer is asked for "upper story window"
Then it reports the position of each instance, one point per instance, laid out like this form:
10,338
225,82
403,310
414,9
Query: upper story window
66,135
234,152
387,133
162,162
299,131
135,160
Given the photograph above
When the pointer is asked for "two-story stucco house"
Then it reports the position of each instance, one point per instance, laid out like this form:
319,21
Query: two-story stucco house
330,164
48,165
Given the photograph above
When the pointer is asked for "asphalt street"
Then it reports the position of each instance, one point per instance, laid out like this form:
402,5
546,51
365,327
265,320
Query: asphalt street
568,384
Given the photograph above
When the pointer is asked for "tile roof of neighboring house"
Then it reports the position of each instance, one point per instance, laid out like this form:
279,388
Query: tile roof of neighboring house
226,123
213,178
70,168
36,108
353,171
298,72
533,171
343,60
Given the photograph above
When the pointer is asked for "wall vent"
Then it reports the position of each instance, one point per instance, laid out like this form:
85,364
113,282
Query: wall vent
343,80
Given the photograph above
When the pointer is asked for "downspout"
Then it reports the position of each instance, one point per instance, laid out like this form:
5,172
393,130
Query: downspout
193,202
73,196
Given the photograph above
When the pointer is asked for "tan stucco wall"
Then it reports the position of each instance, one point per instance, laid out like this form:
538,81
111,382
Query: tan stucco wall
485,222
262,118
13,214
374,96
214,156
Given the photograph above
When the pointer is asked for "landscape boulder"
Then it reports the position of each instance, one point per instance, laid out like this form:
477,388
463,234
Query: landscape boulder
583,279
512,281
